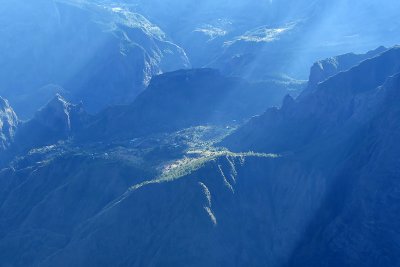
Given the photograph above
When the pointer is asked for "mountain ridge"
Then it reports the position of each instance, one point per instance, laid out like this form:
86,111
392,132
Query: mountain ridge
299,118
98,55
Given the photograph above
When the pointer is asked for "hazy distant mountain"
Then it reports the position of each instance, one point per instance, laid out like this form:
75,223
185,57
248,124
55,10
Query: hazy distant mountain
93,53
255,39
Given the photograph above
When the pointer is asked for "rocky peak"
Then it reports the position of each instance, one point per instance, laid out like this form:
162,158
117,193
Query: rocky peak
57,120
337,106
323,69
59,115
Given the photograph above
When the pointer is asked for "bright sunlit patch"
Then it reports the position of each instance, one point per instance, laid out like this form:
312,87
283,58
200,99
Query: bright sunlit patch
214,30
134,20
116,9
263,34
211,31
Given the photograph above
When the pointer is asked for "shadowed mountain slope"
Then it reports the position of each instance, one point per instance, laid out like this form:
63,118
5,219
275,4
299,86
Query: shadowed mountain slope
332,202
188,98
88,52
324,69
339,104
56,121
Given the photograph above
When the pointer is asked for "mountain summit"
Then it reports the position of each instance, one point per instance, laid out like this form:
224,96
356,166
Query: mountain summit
56,121
314,115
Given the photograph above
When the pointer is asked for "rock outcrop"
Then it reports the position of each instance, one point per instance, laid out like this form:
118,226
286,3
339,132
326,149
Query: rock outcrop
324,69
58,120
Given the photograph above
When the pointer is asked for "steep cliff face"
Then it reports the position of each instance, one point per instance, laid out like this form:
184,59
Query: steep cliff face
188,98
348,129
235,210
324,69
96,53
254,39
56,121
8,124
47,194
61,116
339,105
358,223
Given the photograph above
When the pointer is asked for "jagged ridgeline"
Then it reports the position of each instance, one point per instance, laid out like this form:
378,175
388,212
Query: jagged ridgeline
105,52
173,101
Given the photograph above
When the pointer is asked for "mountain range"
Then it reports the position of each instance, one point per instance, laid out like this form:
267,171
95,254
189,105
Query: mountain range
312,182
187,133
141,39
95,54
